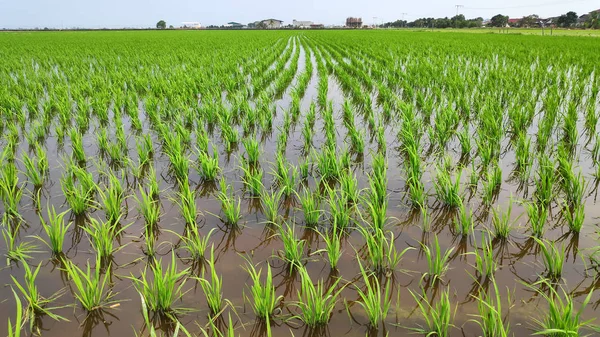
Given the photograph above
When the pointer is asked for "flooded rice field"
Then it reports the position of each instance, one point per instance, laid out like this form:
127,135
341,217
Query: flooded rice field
299,184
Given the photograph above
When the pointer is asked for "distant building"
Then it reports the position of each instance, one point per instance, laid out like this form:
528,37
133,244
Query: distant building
272,23
191,25
354,22
301,24
317,26
234,25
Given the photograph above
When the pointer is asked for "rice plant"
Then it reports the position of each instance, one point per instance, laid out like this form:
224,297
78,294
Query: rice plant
55,230
447,190
37,305
163,289
538,214
252,178
208,167
270,205
293,248
575,217
485,263
14,329
263,298
553,257
10,190
213,288
563,318
231,210
310,202
437,262
333,246
502,225
102,236
186,200
20,251
148,207
195,244
316,302
438,316
375,299
490,317
381,251
463,223
92,289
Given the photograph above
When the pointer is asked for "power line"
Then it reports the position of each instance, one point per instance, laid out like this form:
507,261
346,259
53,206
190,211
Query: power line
527,6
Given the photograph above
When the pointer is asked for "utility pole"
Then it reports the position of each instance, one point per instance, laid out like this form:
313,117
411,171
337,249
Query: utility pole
458,7
403,22
374,22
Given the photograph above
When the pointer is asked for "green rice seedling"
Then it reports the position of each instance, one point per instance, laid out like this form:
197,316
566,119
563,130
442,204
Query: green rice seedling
448,191
148,207
56,230
263,299
438,316
524,160
186,200
14,330
485,264
231,210
374,299
316,302
377,214
145,148
16,251
293,248
333,246
270,205
163,289
490,316
304,170
195,244
575,217
180,165
492,184
465,141
563,318
380,250
10,191
463,223
438,263
310,202
112,200
37,305
102,236
78,152
208,167
546,178
253,180
78,196
150,240
538,214
327,164
153,187
92,289
35,174
307,134
554,258
252,150
340,211
213,289
502,225
349,187
286,180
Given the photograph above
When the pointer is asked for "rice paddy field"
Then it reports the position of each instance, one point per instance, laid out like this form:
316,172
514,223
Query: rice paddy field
286,183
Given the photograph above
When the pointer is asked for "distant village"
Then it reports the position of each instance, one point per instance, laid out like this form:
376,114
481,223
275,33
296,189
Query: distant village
270,24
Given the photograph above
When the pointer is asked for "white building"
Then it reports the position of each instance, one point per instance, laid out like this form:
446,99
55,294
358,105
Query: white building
191,24
301,24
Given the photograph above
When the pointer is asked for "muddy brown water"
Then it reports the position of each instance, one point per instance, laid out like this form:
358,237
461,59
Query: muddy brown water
519,259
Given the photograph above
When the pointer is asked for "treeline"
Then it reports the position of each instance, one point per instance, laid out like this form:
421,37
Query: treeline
567,20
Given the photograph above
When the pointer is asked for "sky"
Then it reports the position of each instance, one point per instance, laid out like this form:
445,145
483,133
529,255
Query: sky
145,13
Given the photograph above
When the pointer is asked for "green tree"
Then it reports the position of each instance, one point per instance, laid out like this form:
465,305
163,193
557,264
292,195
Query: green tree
593,20
499,20
567,20
161,24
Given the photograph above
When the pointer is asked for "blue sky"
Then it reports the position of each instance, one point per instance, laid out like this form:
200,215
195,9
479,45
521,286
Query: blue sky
145,13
